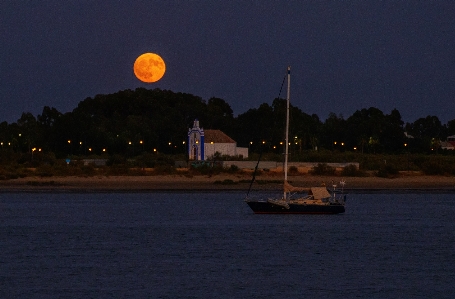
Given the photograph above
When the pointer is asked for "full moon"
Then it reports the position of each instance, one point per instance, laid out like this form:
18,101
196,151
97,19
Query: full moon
149,67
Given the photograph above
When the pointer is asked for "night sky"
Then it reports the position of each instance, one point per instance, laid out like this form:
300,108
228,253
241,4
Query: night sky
344,55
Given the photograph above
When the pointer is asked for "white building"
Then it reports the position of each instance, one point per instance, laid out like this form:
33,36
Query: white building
449,144
203,144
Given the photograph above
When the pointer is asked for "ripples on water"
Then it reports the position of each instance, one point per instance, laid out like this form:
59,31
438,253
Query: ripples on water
210,245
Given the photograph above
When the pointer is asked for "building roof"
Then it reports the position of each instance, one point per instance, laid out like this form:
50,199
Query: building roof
448,145
216,136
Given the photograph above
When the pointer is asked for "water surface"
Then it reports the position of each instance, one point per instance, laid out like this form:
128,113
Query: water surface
210,245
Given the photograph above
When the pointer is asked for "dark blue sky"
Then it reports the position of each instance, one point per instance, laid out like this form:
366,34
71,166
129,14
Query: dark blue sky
345,55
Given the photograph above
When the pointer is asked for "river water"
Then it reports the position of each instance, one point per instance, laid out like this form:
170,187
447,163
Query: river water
211,245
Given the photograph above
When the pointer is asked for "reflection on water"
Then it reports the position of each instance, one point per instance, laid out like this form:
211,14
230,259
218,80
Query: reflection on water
206,245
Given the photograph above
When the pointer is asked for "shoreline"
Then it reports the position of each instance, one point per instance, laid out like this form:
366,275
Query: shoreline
224,182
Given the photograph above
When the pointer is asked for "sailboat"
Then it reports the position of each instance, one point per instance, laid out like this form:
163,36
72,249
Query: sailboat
317,200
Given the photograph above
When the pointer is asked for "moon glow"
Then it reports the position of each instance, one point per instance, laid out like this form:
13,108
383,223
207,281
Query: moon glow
149,67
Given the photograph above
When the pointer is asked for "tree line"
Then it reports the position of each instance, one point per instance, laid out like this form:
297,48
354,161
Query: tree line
131,122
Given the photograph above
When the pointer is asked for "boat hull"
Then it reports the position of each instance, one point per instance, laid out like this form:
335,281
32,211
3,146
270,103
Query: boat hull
265,207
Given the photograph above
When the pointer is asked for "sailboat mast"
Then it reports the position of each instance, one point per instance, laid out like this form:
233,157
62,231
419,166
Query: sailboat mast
287,131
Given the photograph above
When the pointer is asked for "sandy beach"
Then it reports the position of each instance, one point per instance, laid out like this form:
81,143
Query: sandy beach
220,182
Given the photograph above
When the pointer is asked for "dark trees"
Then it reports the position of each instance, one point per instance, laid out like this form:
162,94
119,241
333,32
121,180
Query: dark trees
427,133
130,122
373,131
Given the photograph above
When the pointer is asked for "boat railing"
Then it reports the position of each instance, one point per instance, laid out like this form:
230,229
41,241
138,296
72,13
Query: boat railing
338,195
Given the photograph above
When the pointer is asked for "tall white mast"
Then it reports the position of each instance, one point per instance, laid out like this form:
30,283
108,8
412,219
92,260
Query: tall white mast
287,131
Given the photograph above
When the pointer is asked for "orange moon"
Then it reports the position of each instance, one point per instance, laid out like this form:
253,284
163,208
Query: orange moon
149,67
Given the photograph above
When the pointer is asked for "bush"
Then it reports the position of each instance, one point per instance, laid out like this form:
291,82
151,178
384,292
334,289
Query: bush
351,170
8,176
136,171
116,160
233,169
45,170
88,170
118,170
432,167
293,170
387,171
323,169
164,169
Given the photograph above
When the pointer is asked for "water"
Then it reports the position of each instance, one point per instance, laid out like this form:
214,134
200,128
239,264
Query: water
210,245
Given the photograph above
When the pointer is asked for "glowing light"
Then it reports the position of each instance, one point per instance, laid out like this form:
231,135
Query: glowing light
149,67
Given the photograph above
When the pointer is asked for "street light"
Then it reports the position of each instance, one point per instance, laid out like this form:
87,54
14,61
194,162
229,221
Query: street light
71,148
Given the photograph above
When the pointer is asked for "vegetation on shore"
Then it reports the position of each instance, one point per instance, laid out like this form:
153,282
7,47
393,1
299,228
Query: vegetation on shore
142,129
156,164
128,123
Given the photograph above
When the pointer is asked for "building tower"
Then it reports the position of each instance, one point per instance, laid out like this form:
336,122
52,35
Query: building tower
196,142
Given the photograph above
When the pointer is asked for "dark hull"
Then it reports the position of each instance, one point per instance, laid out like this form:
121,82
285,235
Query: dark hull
264,207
